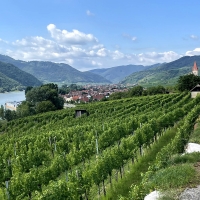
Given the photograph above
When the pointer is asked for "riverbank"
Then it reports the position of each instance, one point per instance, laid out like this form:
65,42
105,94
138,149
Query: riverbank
12,96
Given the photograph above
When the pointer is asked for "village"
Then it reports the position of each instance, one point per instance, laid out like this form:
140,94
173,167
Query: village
93,93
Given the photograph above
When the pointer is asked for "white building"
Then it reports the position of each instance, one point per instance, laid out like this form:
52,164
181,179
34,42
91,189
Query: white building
12,105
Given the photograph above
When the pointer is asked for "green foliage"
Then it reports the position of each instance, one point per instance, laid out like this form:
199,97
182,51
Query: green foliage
25,109
186,158
65,89
138,91
12,78
135,91
118,95
187,82
173,176
28,89
2,112
54,155
10,115
47,92
44,106
155,90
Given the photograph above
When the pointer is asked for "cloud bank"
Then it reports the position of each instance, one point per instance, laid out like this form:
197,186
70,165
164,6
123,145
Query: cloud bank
81,50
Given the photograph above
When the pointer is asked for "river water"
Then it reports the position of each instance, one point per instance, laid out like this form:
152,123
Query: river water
11,96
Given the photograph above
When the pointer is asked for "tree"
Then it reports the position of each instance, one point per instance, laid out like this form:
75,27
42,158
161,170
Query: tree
2,112
10,115
47,92
28,89
136,91
187,82
44,106
25,109
156,90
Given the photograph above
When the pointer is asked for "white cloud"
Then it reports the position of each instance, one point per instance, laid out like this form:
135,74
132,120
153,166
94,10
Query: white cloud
194,37
3,41
62,47
134,38
89,13
102,52
75,37
117,55
98,46
127,36
96,63
155,57
193,52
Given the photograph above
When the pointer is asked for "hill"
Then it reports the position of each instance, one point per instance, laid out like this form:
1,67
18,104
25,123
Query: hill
12,78
57,156
59,73
117,74
164,74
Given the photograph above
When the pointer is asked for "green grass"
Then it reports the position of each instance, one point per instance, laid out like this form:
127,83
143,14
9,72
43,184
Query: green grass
187,158
172,177
134,176
177,176
195,136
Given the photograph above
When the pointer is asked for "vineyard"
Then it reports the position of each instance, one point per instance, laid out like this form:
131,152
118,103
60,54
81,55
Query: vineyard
58,156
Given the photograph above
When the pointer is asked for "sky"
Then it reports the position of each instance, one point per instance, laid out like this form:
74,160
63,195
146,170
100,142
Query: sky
90,34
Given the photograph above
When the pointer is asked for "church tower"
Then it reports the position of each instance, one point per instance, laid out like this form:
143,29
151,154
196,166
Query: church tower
195,69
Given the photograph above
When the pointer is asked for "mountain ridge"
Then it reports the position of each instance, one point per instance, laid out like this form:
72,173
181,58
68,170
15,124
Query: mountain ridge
11,78
164,74
118,73
60,73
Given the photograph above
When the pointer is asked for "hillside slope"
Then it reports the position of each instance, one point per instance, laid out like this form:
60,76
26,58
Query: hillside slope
12,78
54,72
164,74
116,74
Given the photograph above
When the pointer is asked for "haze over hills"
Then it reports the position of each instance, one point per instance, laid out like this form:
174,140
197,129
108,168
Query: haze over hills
55,72
164,74
117,74
11,78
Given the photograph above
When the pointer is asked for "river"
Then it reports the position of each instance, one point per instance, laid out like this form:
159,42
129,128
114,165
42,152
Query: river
11,96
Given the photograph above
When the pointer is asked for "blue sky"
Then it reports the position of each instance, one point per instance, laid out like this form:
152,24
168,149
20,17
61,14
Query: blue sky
90,34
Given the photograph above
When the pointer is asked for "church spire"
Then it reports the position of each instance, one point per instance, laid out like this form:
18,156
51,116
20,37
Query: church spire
195,69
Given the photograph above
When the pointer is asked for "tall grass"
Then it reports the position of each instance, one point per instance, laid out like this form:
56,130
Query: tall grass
134,176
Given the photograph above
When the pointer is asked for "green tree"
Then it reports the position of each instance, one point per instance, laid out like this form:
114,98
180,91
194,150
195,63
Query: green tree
28,89
2,112
44,106
136,91
156,90
25,109
47,92
10,115
187,82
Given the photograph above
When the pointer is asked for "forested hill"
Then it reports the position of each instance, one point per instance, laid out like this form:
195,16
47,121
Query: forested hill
12,78
55,72
118,73
164,74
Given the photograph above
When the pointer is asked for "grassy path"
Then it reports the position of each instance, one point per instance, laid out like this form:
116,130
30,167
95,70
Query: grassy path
134,176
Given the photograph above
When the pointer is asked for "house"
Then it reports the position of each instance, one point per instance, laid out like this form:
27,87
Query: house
195,91
12,105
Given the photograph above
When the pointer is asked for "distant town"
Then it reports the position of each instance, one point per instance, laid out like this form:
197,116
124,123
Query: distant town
93,93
